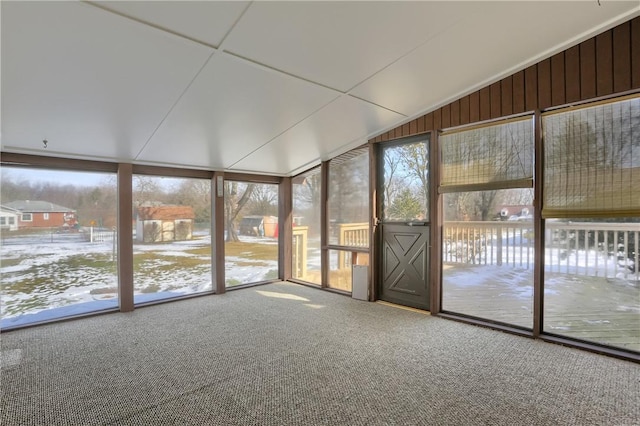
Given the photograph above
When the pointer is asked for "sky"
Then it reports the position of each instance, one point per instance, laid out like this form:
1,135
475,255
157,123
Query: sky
76,178
60,177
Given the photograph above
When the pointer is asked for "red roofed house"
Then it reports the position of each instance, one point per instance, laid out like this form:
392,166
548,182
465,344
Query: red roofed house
164,223
43,214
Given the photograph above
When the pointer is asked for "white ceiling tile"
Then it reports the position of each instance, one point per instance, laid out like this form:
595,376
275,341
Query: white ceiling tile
205,21
325,134
97,84
339,44
476,51
90,82
231,109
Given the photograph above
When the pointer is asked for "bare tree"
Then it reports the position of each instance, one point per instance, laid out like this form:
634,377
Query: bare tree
391,181
306,200
415,158
236,196
264,200
146,190
197,194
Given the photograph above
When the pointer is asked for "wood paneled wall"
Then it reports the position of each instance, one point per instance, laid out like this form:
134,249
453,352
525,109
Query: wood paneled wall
606,64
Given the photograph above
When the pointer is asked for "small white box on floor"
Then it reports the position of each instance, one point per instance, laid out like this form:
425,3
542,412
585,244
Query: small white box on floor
360,282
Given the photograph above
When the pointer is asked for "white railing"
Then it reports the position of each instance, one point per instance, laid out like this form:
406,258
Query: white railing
580,248
299,250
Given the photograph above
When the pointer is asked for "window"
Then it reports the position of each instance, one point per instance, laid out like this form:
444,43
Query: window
251,232
591,209
306,249
2,220
349,199
172,237
12,220
405,193
66,272
45,216
487,247
348,214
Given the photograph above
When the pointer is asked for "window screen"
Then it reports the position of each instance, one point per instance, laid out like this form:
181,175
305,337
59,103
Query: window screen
348,203
592,160
489,156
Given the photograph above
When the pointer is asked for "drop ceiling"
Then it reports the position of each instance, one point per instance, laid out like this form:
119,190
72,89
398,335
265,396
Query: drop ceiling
263,87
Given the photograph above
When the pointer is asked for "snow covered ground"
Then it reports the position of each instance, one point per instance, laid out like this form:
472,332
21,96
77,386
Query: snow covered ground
42,279
64,275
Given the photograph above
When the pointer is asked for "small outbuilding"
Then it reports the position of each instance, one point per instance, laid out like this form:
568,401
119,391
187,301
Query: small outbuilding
259,226
164,223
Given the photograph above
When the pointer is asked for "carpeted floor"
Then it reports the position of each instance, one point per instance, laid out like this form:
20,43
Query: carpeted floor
285,354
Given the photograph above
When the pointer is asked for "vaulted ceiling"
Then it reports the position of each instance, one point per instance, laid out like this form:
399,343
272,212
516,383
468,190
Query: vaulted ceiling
265,87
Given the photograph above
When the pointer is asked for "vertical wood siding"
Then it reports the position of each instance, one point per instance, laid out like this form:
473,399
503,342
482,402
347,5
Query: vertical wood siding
606,64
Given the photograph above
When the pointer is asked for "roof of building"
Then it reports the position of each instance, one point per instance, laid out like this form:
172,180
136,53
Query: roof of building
165,212
7,209
34,206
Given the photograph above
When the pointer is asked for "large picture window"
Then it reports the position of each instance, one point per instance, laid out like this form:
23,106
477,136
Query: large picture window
58,253
488,251
251,232
172,237
592,222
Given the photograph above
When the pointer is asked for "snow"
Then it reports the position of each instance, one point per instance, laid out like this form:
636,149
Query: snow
40,280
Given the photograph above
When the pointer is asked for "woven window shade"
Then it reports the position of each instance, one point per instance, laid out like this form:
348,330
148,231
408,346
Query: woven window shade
592,160
488,157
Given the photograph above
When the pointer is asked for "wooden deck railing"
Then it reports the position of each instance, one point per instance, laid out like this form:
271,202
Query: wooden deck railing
580,248
299,250
584,248
351,235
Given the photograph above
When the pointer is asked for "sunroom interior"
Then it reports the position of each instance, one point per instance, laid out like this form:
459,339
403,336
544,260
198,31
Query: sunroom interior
477,160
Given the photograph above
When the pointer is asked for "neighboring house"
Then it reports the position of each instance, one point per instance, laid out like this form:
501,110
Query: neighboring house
164,223
9,218
43,214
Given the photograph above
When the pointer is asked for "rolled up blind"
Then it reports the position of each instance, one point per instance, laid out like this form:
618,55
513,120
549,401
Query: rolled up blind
492,156
592,160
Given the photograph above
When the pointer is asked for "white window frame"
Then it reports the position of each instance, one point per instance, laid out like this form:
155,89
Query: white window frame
24,216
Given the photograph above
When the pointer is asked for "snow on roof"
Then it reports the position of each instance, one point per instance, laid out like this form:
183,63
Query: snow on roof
165,212
31,206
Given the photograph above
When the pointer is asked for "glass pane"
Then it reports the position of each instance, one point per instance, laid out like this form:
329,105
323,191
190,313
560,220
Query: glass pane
592,159
488,255
349,199
495,153
172,237
306,249
592,280
58,252
251,232
405,182
340,262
